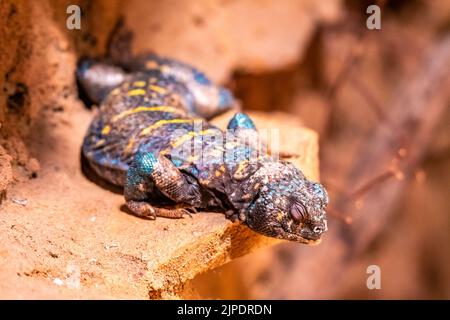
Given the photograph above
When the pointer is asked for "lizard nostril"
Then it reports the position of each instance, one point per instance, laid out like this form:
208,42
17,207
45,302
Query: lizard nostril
318,229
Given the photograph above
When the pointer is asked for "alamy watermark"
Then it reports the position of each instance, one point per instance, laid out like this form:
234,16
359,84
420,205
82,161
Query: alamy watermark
73,21
213,146
374,278
373,22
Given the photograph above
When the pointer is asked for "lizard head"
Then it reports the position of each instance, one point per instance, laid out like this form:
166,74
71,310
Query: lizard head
287,205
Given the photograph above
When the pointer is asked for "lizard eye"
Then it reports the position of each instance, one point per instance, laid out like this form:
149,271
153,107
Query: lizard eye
298,212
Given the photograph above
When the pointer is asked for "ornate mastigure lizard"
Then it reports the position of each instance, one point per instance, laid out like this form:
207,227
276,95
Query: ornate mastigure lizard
151,136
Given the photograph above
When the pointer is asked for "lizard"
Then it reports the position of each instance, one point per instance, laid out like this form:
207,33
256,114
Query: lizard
152,136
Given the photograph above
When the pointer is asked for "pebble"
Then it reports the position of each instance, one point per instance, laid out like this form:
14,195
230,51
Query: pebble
111,245
20,201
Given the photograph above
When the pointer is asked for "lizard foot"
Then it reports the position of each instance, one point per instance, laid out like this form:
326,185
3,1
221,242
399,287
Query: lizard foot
142,209
177,213
231,215
145,210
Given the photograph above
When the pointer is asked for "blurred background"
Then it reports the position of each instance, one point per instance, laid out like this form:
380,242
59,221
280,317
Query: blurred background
379,100
353,86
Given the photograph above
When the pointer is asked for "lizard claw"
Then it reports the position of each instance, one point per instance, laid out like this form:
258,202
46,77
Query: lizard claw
192,210
185,211
172,213
231,215
145,210
142,209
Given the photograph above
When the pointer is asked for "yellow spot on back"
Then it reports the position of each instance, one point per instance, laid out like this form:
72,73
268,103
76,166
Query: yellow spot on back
161,123
158,89
136,92
218,173
99,143
147,109
164,69
129,146
182,139
240,169
190,135
115,92
151,64
280,216
192,159
106,129
139,84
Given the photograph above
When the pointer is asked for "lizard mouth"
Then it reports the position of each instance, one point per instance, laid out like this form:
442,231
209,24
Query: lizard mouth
307,241
313,242
301,237
312,231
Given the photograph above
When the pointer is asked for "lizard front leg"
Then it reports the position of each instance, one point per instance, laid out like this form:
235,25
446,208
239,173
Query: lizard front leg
241,121
245,130
147,172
